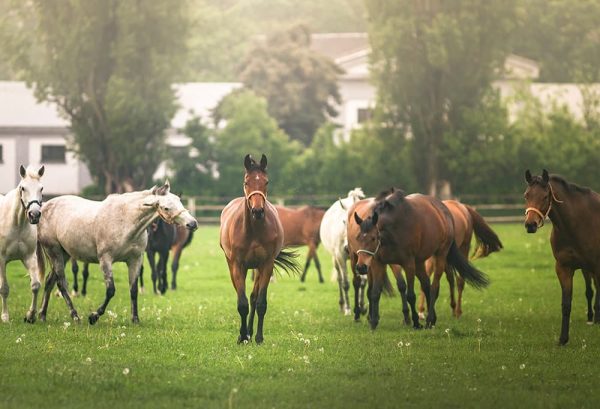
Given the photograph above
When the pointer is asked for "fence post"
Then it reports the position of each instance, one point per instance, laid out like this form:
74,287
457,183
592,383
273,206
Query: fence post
191,206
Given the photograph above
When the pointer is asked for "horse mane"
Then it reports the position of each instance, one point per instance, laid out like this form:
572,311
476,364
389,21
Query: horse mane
568,186
356,194
388,198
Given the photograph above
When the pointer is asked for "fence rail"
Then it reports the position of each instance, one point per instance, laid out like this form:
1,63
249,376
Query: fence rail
209,213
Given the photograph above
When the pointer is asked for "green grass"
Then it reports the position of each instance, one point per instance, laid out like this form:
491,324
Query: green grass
502,353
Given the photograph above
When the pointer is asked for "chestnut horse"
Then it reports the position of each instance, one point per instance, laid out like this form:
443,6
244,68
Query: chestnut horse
466,222
251,237
301,228
406,230
575,235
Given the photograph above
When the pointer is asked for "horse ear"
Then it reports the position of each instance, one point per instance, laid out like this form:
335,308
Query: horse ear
263,162
163,190
248,161
374,218
22,171
357,219
528,176
545,176
41,171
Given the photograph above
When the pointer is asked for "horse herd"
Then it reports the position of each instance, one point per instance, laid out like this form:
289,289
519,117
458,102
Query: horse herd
414,234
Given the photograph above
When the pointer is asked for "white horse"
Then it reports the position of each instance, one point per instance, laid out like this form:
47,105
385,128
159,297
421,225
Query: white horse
20,211
104,232
334,239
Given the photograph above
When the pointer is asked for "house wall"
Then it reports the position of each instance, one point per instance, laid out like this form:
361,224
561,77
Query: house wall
356,94
8,166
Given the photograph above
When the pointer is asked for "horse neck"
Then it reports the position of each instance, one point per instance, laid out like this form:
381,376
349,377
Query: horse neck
141,215
250,223
15,208
563,214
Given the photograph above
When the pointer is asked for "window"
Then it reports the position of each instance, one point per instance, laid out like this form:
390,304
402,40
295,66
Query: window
53,154
1,154
364,115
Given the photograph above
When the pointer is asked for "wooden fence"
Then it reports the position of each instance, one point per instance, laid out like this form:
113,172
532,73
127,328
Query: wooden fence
207,210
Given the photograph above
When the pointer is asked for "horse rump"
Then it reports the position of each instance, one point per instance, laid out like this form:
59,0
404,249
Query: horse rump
457,262
487,240
287,261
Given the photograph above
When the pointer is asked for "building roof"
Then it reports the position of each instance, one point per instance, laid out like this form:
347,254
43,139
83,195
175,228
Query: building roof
19,108
339,45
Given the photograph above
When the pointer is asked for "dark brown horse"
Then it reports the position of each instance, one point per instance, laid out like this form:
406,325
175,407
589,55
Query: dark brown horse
575,238
466,222
251,237
406,230
301,228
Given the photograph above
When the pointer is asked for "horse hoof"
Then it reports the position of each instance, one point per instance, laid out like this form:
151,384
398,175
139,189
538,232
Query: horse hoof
258,340
357,320
422,316
93,318
373,325
243,340
363,311
141,290
5,317
563,341
407,321
417,326
74,294
590,323
347,312
29,318
135,320
42,317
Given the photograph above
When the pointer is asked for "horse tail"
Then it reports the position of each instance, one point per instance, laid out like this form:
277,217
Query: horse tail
41,260
286,261
487,240
456,261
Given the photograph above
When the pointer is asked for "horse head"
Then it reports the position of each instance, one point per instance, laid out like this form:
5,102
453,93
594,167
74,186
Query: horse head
368,240
255,185
30,192
538,200
169,207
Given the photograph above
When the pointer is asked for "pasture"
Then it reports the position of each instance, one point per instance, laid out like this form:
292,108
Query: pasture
502,353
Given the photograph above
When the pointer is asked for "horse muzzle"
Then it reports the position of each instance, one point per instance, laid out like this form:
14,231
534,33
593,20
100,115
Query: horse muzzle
34,216
258,213
193,225
531,227
362,269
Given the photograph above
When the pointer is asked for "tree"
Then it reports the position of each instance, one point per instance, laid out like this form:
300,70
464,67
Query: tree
109,66
430,60
299,84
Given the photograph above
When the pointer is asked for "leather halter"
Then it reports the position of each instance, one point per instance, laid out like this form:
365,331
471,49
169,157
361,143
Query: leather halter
369,252
28,205
255,192
538,212
167,218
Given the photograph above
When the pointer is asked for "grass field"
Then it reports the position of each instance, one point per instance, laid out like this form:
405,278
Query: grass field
502,353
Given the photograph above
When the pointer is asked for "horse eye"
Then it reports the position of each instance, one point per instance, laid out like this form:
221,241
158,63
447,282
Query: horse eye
166,209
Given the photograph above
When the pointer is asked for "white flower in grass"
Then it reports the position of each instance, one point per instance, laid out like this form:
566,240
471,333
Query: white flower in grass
112,314
122,335
66,325
305,359
250,357
19,340
88,360
321,350
522,366
307,341
125,371
407,344
138,336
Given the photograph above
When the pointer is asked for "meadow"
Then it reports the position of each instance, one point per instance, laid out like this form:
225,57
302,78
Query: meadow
501,353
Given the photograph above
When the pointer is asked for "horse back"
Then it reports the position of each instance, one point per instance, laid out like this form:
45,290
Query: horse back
463,225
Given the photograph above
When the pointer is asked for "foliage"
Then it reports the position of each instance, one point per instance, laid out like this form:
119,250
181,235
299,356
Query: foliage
431,60
299,84
111,76
500,354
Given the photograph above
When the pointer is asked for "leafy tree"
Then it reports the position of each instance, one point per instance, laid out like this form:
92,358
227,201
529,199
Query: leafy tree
430,60
299,84
109,66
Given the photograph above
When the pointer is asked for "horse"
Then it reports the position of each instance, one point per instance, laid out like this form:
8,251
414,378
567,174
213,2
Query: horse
466,222
301,227
85,273
406,230
104,232
251,237
575,234
333,236
20,211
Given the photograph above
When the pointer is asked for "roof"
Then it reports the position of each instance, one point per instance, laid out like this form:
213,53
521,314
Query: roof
338,45
19,108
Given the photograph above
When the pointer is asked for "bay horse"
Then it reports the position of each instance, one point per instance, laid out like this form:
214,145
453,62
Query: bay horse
575,237
301,228
334,238
466,223
104,232
406,230
251,237
20,211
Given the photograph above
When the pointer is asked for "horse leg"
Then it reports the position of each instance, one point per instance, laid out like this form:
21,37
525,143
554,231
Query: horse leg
85,274
397,270
263,279
565,277
421,301
154,275
238,278
589,295
356,283
460,287
175,266
75,270
343,284
253,297
162,271
438,266
376,275
31,265
61,281
306,265
48,287
596,277
4,290
409,268
318,265
106,266
133,269
451,285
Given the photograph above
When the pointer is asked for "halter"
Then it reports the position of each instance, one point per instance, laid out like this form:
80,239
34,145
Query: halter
369,252
28,205
539,213
167,218
255,192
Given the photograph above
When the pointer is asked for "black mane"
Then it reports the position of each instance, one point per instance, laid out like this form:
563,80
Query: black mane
388,199
568,186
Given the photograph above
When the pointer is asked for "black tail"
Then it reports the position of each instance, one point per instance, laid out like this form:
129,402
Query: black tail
487,240
457,262
286,261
